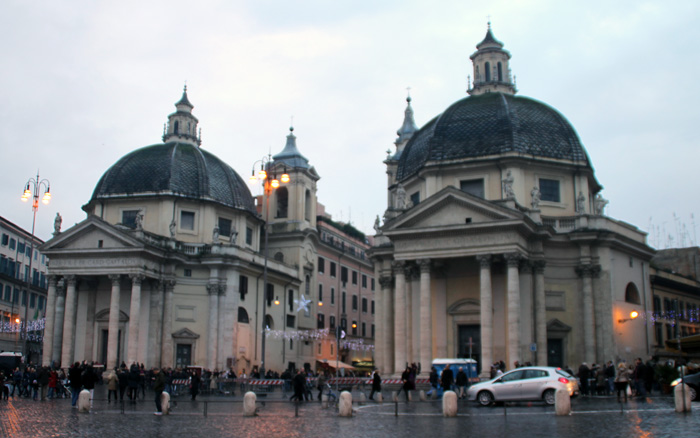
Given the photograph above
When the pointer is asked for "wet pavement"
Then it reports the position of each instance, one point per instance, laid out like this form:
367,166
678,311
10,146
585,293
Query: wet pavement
592,417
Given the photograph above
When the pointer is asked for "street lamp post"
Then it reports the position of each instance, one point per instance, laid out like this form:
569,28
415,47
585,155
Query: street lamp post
268,177
32,189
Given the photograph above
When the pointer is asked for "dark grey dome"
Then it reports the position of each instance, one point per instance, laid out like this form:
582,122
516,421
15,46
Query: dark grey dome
180,169
492,124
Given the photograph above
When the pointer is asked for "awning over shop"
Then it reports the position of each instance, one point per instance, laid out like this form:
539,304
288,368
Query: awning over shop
689,344
335,364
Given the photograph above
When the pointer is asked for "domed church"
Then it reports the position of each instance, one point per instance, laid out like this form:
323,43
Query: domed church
167,269
495,244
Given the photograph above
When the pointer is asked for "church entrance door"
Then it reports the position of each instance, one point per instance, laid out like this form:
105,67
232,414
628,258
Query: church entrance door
470,343
555,352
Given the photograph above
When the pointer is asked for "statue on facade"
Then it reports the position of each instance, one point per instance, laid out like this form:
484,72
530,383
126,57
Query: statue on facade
401,197
234,234
377,225
215,234
508,181
536,198
581,203
138,220
599,204
172,227
57,224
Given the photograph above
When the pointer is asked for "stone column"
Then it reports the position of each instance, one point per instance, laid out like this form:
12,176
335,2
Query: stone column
113,329
387,315
155,323
49,321
586,272
513,349
409,276
426,317
166,355
68,323
213,326
221,315
486,313
540,313
134,318
379,341
58,322
399,317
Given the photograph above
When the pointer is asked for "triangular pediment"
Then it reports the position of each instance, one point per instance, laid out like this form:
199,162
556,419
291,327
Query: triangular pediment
185,333
555,325
90,234
451,207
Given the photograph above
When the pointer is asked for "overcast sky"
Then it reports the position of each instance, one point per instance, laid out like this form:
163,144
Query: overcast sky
86,82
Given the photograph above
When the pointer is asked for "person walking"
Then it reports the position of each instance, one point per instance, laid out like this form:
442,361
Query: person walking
461,381
321,383
112,385
195,381
406,383
158,388
74,375
447,378
621,380
376,384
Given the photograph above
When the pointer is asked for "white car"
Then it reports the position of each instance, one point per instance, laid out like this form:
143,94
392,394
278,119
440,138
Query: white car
524,384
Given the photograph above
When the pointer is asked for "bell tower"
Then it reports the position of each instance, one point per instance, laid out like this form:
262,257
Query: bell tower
182,125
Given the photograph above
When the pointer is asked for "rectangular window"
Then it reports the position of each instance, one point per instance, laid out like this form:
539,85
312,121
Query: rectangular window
321,265
270,294
15,298
354,302
364,281
12,243
5,239
32,301
8,293
354,277
342,303
659,333
20,247
364,305
291,319
41,302
415,198
290,299
473,187
243,286
187,220
372,330
29,251
332,269
321,322
373,284
364,330
344,274
549,190
320,293
331,322
129,218
225,227
372,307
332,295
187,272
354,328
24,298
248,236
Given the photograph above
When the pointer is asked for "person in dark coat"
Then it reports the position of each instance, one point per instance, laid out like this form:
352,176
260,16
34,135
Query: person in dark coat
461,382
158,388
194,384
376,384
89,379
43,378
299,383
123,377
447,378
406,382
74,375
584,373
133,379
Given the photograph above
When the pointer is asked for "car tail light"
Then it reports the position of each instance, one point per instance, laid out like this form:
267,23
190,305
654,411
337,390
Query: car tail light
564,380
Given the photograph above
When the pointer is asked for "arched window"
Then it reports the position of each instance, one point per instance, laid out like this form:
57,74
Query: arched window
282,202
500,72
177,127
487,71
307,205
269,322
243,315
632,294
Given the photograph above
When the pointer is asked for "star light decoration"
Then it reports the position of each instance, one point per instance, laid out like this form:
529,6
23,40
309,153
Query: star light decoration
302,304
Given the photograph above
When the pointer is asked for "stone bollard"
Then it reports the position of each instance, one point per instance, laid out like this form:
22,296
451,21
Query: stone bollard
562,402
84,401
394,396
410,396
345,407
324,401
434,394
379,397
422,396
249,404
363,398
449,404
165,402
678,398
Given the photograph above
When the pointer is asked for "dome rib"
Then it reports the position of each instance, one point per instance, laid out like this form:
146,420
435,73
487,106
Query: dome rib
492,124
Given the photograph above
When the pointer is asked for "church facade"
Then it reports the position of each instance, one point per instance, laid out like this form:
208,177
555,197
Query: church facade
495,244
168,268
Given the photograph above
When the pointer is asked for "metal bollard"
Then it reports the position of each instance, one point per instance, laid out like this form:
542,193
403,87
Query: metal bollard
206,408
396,407
296,408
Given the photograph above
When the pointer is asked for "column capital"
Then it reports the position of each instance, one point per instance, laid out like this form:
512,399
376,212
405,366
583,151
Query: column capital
484,261
425,265
398,266
71,280
137,279
213,288
538,266
115,279
588,270
386,281
169,285
513,259
61,288
222,288
53,280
